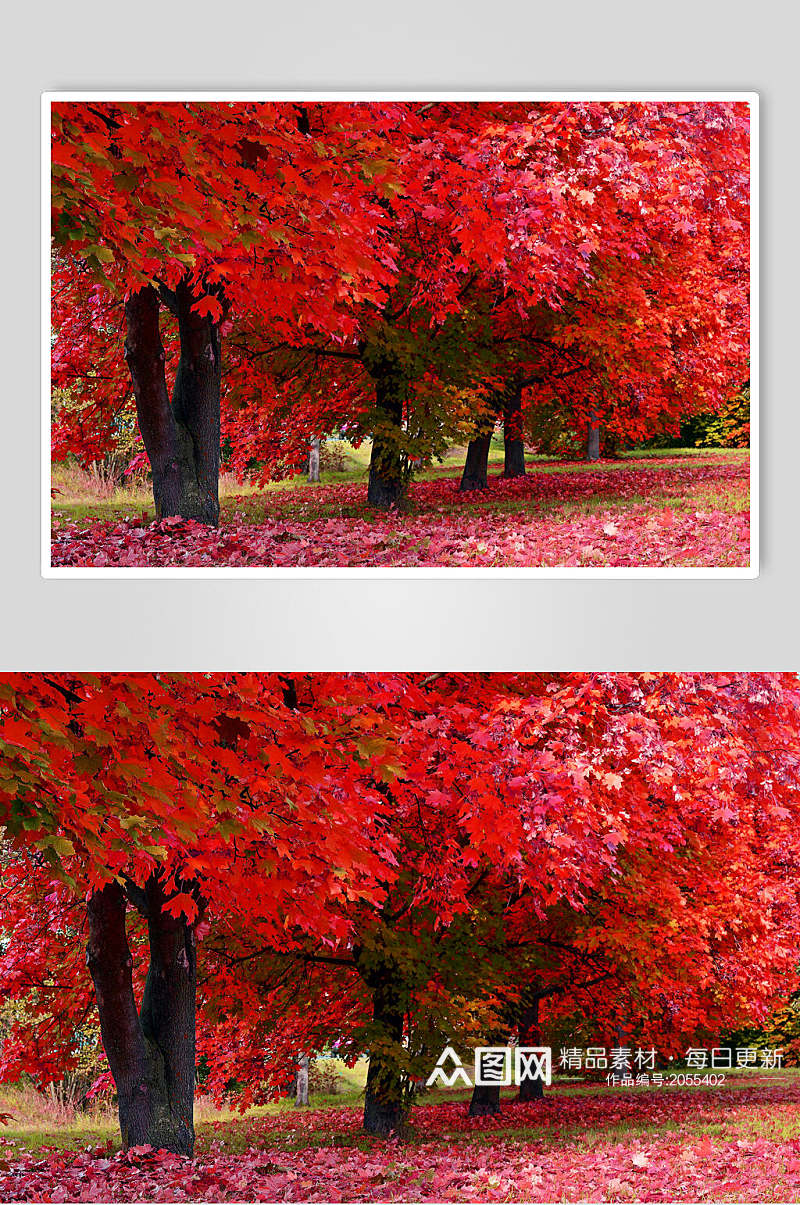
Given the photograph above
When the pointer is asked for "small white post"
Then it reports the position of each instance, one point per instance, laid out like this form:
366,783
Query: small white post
313,461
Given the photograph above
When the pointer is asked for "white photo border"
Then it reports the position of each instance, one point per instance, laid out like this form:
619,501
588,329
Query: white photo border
751,98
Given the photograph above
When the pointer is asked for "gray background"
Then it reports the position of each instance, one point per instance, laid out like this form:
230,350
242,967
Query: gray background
401,623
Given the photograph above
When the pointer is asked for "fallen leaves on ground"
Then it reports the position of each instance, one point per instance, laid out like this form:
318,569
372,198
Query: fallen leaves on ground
513,524
576,1153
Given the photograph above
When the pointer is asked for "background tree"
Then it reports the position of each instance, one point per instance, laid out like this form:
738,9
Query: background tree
542,854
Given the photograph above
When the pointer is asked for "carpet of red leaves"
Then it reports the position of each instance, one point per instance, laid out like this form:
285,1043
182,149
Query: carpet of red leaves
534,521
612,1146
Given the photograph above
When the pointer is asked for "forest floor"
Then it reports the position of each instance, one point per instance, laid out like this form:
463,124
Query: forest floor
687,507
585,1142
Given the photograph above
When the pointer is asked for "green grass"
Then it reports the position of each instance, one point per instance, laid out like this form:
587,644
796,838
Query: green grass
79,499
35,1123
778,1120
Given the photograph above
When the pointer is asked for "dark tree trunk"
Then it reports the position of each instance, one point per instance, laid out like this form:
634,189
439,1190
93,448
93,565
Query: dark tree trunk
593,442
195,405
476,465
144,353
168,1015
181,436
512,431
531,1089
530,1034
384,1099
152,1052
387,475
485,1100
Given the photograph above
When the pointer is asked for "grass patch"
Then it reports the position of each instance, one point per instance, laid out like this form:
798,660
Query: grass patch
79,499
613,1115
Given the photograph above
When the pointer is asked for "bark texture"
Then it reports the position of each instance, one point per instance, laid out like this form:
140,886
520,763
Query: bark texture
593,442
384,1099
181,435
387,475
151,1052
530,1034
476,465
514,465
485,1100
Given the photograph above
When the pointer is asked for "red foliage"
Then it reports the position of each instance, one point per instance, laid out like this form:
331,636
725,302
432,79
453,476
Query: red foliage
209,780
603,816
598,249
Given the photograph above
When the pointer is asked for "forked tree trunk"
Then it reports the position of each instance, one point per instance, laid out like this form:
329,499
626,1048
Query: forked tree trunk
476,465
530,1034
384,1099
151,1052
181,435
387,477
512,431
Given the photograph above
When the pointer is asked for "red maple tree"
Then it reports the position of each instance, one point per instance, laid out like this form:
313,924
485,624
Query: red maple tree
142,807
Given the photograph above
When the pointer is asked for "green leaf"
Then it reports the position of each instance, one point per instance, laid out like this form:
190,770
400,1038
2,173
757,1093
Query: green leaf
104,254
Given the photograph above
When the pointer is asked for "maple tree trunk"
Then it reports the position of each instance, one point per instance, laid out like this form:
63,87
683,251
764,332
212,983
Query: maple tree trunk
593,442
530,1034
151,1052
512,431
386,466
485,1100
476,465
195,406
384,1103
181,435
144,353
531,1089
